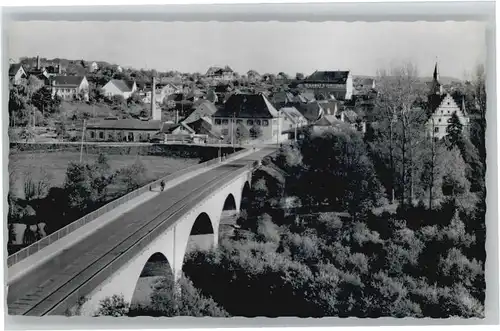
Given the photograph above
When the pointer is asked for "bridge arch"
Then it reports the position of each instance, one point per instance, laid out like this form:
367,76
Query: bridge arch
156,269
202,234
229,203
245,196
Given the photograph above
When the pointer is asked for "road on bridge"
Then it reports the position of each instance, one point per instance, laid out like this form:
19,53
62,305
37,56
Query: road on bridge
41,290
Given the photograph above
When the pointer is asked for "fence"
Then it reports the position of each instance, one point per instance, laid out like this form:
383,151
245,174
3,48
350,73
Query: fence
55,236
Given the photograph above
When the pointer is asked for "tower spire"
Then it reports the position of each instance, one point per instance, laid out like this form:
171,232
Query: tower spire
436,73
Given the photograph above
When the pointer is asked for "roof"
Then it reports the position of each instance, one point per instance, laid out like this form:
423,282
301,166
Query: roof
122,85
311,111
335,77
247,106
325,120
351,116
66,80
14,68
170,127
308,96
126,124
329,106
282,97
292,113
203,108
435,100
203,126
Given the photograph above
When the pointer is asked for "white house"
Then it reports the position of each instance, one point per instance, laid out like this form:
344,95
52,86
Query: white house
70,87
443,107
119,87
16,73
94,66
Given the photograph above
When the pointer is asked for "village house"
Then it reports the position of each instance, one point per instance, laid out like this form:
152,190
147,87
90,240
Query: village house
255,112
162,91
292,121
338,84
70,87
220,74
119,87
204,130
442,105
17,73
94,66
130,130
202,108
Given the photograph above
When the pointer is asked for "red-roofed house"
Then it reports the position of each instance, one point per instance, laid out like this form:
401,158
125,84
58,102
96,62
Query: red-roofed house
70,87
119,87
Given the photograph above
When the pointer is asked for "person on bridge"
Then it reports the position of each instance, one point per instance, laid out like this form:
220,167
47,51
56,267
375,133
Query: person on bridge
162,185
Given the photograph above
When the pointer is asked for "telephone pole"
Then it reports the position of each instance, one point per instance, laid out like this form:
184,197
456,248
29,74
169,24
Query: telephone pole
83,137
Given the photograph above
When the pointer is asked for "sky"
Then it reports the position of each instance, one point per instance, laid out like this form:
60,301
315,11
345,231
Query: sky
291,47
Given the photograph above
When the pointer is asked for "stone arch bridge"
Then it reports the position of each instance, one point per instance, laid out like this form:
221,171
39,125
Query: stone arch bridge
110,260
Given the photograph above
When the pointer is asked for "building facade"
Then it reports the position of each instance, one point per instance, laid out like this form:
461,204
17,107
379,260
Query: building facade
70,87
338,84
442,106
17,73
439,120
122,130
255,113
119,87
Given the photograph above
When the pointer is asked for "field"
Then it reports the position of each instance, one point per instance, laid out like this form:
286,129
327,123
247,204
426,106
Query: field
54,164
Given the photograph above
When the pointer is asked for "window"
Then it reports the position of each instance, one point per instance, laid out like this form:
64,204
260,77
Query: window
101,135
130,136
265,123
439,120
110,136
290,126
217,122
239,121
249,122
92,134
257,122
436,129
225,132
225,121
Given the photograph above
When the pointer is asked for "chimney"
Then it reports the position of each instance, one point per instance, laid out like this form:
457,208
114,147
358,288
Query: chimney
59,71
37,62
155,112
176,116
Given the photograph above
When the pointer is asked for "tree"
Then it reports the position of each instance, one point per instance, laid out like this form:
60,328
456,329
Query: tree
454,131
398,90
338,172
132,177
44,101
241,133
299,76
36,183
255,132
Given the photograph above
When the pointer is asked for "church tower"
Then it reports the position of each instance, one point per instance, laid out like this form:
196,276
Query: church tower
436,88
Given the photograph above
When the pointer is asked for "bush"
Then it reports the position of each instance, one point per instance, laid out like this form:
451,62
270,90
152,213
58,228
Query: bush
114,306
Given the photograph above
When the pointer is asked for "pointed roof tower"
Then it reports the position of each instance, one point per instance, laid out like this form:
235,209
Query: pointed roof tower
436,73
435,85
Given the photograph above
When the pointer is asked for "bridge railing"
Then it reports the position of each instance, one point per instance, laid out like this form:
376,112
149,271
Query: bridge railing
63,232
